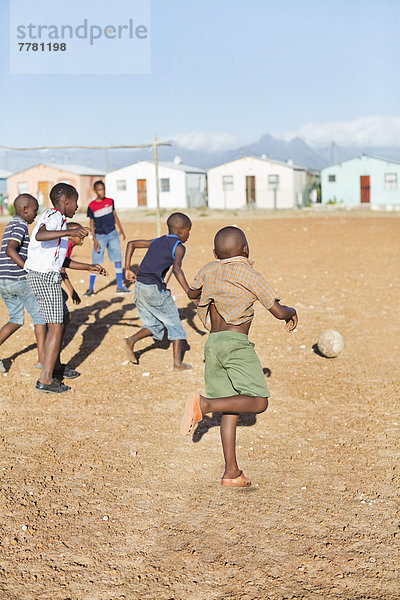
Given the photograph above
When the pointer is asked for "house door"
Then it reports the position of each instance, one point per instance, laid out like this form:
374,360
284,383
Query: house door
43,190
250,189
365,188
141,192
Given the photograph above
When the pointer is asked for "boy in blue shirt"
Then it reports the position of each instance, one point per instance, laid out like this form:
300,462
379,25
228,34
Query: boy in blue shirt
152,298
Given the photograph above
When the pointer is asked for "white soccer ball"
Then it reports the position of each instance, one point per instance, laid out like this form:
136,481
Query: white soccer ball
330,343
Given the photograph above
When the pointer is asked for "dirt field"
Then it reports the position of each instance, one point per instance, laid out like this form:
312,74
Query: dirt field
101,499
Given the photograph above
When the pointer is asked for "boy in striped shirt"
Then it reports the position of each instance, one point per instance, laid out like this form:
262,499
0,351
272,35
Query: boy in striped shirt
14,288
226,291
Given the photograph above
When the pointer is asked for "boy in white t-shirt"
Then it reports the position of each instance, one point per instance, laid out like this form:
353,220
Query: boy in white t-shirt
47,252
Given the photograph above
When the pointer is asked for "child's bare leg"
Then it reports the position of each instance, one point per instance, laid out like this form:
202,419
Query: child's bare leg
131,341
177,350
7,330
234,404
67,318
40,334
51,351
228,438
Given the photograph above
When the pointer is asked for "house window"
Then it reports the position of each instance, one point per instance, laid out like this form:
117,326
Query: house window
390,181
22,187
273,182
332,178
227,183
121,185
165,185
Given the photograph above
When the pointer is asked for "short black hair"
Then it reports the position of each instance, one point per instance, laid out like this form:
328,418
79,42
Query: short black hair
22,201
178,221
73,225
61,190
229,241
99,182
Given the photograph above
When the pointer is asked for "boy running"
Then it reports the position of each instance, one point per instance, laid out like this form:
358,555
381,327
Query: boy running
152,298
14,288
46,256
234,379
103,217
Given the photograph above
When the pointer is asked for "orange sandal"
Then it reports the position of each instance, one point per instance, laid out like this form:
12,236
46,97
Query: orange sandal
192,415
240,481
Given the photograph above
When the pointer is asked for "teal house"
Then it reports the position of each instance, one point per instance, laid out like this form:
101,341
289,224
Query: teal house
362,180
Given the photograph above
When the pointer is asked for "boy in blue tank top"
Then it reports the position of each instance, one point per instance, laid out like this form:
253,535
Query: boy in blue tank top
153,300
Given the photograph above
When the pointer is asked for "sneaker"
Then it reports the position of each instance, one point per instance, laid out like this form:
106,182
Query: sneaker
2,367
55,387
89,292
64,372
123,290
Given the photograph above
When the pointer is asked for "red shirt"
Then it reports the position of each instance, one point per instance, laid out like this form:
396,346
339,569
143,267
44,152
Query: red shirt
69,249
103,214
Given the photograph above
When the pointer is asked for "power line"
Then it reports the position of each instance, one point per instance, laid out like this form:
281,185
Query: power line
154,145
87,147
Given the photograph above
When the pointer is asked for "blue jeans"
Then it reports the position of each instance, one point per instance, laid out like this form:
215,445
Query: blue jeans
17,297
111,242
158,311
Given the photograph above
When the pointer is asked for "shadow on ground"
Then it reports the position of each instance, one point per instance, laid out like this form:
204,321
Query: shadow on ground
95,332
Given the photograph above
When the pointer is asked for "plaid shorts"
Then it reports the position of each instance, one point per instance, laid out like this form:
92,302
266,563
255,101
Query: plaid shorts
47,289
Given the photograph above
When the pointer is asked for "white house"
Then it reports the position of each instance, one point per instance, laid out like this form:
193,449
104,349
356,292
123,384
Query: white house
363,180
181,186
256,181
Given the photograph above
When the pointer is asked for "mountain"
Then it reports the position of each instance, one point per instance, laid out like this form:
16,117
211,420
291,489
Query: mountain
296,150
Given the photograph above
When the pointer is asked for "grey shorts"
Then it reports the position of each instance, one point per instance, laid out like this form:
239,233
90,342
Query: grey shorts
158,311
18,297
47,289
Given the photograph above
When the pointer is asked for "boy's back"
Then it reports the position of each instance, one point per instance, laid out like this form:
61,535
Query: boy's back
232,285
158,259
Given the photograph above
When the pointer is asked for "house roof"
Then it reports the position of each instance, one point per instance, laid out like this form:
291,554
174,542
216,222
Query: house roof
167,164
181,167
76,169
338,162
4,174
266,159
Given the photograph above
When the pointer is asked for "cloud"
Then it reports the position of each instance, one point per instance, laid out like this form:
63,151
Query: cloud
367,131
209,142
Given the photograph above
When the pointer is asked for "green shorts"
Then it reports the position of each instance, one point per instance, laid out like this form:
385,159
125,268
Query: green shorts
232,366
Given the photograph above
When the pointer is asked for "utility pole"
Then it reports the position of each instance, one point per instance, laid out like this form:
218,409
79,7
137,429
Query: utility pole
158,220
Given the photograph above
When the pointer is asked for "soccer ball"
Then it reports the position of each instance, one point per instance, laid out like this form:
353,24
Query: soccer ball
330,343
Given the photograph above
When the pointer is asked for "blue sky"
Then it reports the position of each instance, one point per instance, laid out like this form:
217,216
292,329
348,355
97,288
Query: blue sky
224,72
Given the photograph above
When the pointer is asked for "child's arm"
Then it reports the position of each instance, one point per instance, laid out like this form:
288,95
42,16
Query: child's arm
285,313
78,266
193,294
196,287
72,292
177,268
118,223
46,235
12,253
130,248
93,232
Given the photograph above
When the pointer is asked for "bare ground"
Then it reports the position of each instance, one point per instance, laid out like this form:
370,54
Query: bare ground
102,500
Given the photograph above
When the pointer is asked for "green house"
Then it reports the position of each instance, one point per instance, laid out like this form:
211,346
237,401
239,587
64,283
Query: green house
362,180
